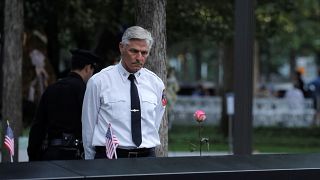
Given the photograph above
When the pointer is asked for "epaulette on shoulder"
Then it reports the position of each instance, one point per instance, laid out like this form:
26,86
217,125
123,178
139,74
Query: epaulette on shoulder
99,74
153,74
108,68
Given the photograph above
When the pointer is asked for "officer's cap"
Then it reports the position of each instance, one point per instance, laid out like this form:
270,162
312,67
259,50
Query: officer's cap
84,56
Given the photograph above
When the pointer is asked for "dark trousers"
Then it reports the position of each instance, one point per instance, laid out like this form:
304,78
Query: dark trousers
61,153
125,153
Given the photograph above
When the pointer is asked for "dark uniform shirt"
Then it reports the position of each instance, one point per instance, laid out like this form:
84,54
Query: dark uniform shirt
59,112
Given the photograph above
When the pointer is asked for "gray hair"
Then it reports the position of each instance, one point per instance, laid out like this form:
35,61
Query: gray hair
137,32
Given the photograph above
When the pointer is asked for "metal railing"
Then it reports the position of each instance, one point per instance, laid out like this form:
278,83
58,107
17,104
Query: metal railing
266,111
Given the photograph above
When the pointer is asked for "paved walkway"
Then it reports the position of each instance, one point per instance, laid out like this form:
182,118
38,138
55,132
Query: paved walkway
23,144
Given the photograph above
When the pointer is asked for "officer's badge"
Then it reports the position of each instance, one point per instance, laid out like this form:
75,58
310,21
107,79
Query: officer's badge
164,98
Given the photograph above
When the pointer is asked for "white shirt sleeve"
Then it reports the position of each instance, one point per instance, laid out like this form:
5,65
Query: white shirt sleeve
160,109
90,108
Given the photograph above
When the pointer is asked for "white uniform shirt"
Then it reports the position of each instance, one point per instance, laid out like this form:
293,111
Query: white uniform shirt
107,100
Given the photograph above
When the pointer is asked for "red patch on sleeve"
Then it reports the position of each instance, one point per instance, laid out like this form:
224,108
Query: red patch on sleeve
164,98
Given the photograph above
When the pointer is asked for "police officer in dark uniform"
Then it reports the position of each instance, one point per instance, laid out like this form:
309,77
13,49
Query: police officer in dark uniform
56,132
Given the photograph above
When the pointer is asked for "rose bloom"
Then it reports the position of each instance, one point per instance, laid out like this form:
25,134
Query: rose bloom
200,115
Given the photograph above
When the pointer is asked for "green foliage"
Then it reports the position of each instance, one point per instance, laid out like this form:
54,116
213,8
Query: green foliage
199,20
78,19
287,26
195,30
272,18
293,24
280,28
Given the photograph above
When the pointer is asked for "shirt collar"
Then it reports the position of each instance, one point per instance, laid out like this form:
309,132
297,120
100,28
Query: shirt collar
124,74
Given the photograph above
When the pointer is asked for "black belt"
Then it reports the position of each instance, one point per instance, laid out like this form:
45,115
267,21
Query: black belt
63,142
56,142
127,153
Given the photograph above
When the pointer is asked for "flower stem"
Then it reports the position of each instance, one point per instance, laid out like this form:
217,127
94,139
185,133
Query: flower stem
200,143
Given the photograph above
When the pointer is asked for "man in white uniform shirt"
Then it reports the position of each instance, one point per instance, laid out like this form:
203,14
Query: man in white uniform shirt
107,100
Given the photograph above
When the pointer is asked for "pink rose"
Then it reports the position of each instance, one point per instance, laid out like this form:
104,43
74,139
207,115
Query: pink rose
200,115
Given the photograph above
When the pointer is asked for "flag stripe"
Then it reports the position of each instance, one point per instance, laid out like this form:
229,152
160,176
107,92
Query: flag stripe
111,143
9,141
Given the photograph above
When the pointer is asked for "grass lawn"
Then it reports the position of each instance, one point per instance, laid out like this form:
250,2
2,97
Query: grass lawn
265,139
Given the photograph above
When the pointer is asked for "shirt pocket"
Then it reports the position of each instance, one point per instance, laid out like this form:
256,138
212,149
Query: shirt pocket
113,106
149,104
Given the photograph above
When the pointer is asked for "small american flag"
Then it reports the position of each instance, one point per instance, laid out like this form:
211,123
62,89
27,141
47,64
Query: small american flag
9,140
111,143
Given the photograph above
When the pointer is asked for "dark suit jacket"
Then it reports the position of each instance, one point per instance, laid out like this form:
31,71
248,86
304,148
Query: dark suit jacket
59,111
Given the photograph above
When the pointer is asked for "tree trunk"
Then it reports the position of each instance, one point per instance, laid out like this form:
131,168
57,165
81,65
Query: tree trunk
152,16
219,88
228,57
256,69
52,32
292,62
12,71
198,63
